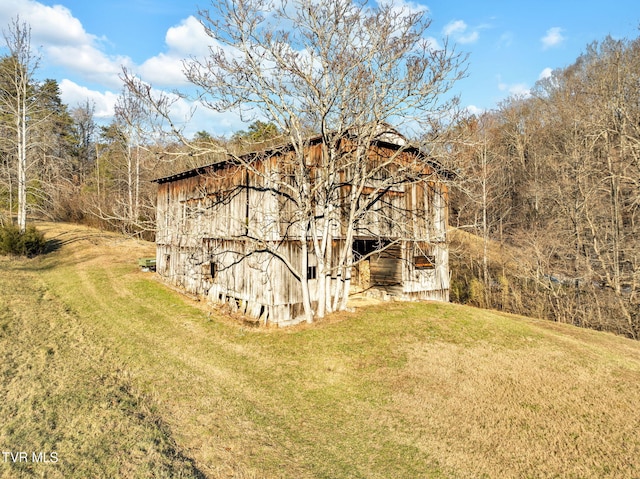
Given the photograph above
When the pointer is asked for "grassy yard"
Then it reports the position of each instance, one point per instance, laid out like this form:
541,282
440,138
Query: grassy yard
122,377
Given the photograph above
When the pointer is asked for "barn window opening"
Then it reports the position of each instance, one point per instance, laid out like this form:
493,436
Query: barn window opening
312,272
213,270
364,248
424,262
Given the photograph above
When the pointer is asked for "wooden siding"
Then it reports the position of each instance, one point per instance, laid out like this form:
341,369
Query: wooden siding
215,224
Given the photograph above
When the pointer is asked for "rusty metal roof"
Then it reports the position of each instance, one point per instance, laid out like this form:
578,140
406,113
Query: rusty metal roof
388,138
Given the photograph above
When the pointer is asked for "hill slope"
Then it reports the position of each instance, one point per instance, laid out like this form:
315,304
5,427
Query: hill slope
122,377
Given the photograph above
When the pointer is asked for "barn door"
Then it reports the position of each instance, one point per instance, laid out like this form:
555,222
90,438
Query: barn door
384,262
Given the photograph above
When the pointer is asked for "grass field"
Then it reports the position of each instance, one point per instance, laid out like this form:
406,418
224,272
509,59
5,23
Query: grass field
120,376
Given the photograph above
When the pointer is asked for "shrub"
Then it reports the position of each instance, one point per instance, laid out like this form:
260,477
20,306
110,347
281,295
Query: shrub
477,293
13,242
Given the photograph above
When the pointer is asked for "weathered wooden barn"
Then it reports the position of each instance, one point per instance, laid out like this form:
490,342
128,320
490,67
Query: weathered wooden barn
228,232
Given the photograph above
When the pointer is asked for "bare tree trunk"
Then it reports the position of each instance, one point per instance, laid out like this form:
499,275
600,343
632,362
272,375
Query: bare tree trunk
130,188
136,202
485,225
19,68
322,249
21,127
304,275
10,188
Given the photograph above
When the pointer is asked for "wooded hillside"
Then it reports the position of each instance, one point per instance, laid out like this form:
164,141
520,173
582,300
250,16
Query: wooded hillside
551,186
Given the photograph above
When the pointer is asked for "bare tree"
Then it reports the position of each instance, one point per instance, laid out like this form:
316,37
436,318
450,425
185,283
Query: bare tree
84,135
123,167
16,100
341,72
569,174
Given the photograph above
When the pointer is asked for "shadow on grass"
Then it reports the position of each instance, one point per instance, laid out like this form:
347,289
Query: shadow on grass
37,263
52,246
43,261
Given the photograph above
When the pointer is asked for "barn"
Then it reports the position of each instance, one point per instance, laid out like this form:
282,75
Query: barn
231,231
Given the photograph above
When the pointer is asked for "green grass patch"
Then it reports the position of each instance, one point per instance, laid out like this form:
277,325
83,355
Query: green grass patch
159,386
67,399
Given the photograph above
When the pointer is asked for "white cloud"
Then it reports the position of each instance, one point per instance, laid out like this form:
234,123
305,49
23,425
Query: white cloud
458,29
472,37
546,73
184,112
73,95
56,26
53,25
193,117
455,27
474,110
405,6
76,56
431,43
188,39
553,38
518,90
63,40
163,69
89,62
64,43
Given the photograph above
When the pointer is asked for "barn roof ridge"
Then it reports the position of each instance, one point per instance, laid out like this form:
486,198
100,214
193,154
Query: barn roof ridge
384,136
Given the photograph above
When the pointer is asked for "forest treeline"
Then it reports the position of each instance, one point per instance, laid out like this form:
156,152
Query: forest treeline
545,205
550,186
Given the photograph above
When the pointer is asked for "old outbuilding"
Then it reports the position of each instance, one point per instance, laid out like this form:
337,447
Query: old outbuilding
235,231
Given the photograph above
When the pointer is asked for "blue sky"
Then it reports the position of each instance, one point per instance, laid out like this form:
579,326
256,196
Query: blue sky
511,44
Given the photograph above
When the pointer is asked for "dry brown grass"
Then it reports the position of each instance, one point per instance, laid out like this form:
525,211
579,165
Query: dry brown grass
65,395
520,413
393,390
